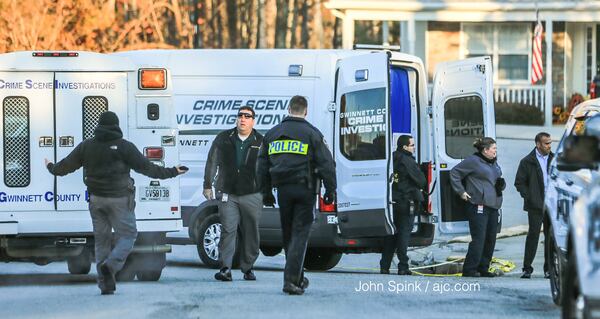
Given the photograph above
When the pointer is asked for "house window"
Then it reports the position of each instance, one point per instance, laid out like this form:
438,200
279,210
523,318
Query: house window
509,45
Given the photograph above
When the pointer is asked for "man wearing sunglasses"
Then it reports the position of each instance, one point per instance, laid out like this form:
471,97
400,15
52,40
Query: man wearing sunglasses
231,169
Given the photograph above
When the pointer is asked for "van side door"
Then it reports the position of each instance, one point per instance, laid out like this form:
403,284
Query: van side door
362,146
463,110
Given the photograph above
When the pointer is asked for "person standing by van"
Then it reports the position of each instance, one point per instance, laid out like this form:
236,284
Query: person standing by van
107,159
531,181
478,181
231,165
407,195
292,159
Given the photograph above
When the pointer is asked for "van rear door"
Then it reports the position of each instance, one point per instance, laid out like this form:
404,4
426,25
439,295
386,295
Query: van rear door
27,138
362,146
80,99
463,109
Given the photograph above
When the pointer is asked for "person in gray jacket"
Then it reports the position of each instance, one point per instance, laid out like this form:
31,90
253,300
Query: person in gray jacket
478,181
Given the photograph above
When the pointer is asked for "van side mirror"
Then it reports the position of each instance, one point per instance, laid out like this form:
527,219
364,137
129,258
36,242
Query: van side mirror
580,152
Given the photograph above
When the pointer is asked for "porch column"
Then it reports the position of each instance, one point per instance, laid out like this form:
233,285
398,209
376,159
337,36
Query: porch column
549,102
348,33
385,33
411,34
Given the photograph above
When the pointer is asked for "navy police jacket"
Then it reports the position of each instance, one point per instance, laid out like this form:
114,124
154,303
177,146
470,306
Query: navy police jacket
294,152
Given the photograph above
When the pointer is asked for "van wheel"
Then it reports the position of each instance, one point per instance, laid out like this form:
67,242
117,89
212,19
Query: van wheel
81,264
270,251
149,275
208,236
127,273
321,259
555,268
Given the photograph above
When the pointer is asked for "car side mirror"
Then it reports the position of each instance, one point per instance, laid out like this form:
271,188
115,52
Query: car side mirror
580,152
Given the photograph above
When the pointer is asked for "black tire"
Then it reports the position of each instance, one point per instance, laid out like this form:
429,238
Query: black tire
571,291
555,268
208,232
208,235
321,259
270,251
81,264
149,275
127,273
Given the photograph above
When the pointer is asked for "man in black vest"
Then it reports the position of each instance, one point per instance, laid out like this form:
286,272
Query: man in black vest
531,181
231,169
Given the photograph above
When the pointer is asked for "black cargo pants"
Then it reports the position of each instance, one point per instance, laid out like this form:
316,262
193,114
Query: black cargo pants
404,220
296,209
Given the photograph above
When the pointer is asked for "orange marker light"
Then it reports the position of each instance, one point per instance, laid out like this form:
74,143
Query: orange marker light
155,79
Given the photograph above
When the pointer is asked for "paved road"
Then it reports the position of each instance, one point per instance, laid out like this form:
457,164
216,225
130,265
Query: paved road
187,290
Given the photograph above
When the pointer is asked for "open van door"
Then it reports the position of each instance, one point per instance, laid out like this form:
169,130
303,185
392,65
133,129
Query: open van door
463,109
362,146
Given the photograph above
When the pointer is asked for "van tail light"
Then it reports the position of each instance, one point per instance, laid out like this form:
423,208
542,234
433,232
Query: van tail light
154,153
430,186
152,79
326,208
593,90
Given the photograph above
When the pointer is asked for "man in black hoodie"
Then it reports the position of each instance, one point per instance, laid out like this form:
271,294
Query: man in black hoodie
107,159
409,181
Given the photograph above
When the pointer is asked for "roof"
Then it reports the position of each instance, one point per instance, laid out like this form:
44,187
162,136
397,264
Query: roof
471,10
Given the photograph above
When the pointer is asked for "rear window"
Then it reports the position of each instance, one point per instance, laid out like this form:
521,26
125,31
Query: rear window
92,106
17,150
464,123
363,122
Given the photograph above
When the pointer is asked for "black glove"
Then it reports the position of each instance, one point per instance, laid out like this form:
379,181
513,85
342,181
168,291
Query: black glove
328,198
269,200
500,186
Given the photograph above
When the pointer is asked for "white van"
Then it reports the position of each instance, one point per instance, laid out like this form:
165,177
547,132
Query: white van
51,101
361,100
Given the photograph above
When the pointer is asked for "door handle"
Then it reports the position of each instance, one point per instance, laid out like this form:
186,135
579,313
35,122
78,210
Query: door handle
568,182
553,176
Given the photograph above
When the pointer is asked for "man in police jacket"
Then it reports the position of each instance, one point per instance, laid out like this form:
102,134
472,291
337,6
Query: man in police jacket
293,157
107,159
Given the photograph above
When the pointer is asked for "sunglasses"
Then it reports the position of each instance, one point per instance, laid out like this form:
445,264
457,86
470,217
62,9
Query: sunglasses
245,115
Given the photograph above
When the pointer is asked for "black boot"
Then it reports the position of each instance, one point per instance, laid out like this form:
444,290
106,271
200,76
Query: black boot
292,289
223,275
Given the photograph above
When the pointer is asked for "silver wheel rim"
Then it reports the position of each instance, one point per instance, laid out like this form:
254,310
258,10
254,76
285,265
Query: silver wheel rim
212,236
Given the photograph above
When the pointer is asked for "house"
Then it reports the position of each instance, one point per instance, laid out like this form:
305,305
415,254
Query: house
442,30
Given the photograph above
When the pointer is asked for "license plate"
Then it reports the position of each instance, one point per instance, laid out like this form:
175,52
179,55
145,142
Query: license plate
154,193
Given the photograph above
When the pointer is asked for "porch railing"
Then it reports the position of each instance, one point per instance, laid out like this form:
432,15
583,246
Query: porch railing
534,95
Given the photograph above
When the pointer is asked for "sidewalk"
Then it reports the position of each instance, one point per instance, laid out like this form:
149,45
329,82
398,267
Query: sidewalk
526,132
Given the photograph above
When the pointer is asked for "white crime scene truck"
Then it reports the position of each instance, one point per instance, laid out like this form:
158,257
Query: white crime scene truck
51,101
361,100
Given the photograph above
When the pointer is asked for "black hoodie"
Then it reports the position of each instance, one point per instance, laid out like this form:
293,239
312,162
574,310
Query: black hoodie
107,159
